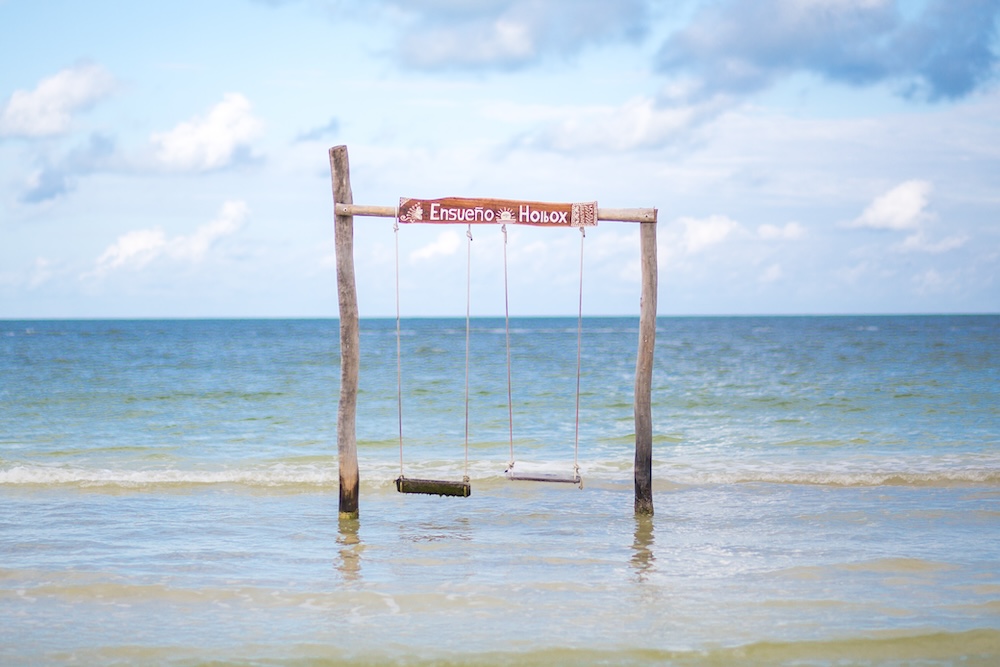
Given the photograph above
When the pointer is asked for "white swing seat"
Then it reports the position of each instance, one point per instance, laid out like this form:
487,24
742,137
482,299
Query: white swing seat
562,478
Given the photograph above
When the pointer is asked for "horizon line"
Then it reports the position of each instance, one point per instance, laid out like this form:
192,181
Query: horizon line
157,318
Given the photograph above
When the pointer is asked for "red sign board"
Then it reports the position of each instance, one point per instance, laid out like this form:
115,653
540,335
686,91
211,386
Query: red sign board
462,211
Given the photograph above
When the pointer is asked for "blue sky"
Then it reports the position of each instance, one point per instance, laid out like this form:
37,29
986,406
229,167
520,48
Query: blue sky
169,159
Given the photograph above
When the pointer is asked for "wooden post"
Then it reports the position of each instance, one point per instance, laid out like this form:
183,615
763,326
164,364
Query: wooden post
644,373
350,353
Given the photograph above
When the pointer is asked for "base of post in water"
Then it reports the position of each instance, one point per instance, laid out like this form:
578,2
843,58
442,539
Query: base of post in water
544,477
433,487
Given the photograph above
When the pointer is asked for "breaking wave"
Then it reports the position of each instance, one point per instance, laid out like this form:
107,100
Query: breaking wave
275,476
610,475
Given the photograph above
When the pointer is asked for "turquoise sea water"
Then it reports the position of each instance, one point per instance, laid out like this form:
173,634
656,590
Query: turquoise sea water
827,492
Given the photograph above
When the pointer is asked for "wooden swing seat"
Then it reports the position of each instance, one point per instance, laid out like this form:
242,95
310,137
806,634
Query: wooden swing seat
433,487
543,477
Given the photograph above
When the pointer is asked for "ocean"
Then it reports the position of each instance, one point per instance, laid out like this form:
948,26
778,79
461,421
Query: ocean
826,490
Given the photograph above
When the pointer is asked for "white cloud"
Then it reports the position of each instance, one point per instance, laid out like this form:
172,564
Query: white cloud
771,274
940,49
509,34
447,243
918,242
135,249
48,109
212,142
32,276
904,208
193,248
639,123
703,233
58,178
503,41
853,275
901,208
930,281
789,232
40,273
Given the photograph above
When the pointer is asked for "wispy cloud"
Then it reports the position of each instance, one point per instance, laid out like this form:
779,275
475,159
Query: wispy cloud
217,140
702,233
48,109
40,273
932,281
332,127
55,179
718,244
771,274
509,34
136,249
194,247
918,242
34,275
944,52
133,250
447,243
640,123
788,232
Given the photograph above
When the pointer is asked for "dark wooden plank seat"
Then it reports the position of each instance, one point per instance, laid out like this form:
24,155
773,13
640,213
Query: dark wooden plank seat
433,487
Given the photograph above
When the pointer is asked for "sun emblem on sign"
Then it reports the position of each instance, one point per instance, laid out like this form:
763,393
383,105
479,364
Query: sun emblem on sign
414,214
505,215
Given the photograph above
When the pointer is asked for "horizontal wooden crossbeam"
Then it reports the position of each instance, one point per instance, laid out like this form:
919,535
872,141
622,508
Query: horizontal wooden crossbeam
608,214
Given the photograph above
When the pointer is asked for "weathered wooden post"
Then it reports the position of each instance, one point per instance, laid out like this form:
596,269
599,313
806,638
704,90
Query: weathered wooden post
644,372
350,353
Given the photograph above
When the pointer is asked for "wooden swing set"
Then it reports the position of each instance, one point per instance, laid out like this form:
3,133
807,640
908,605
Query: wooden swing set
455,210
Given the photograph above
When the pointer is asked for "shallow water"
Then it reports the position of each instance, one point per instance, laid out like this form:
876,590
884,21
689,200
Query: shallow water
827,492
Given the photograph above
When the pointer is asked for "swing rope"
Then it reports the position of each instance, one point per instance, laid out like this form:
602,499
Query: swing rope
579,347
506,319
399,351
468,312
510,404
430,486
